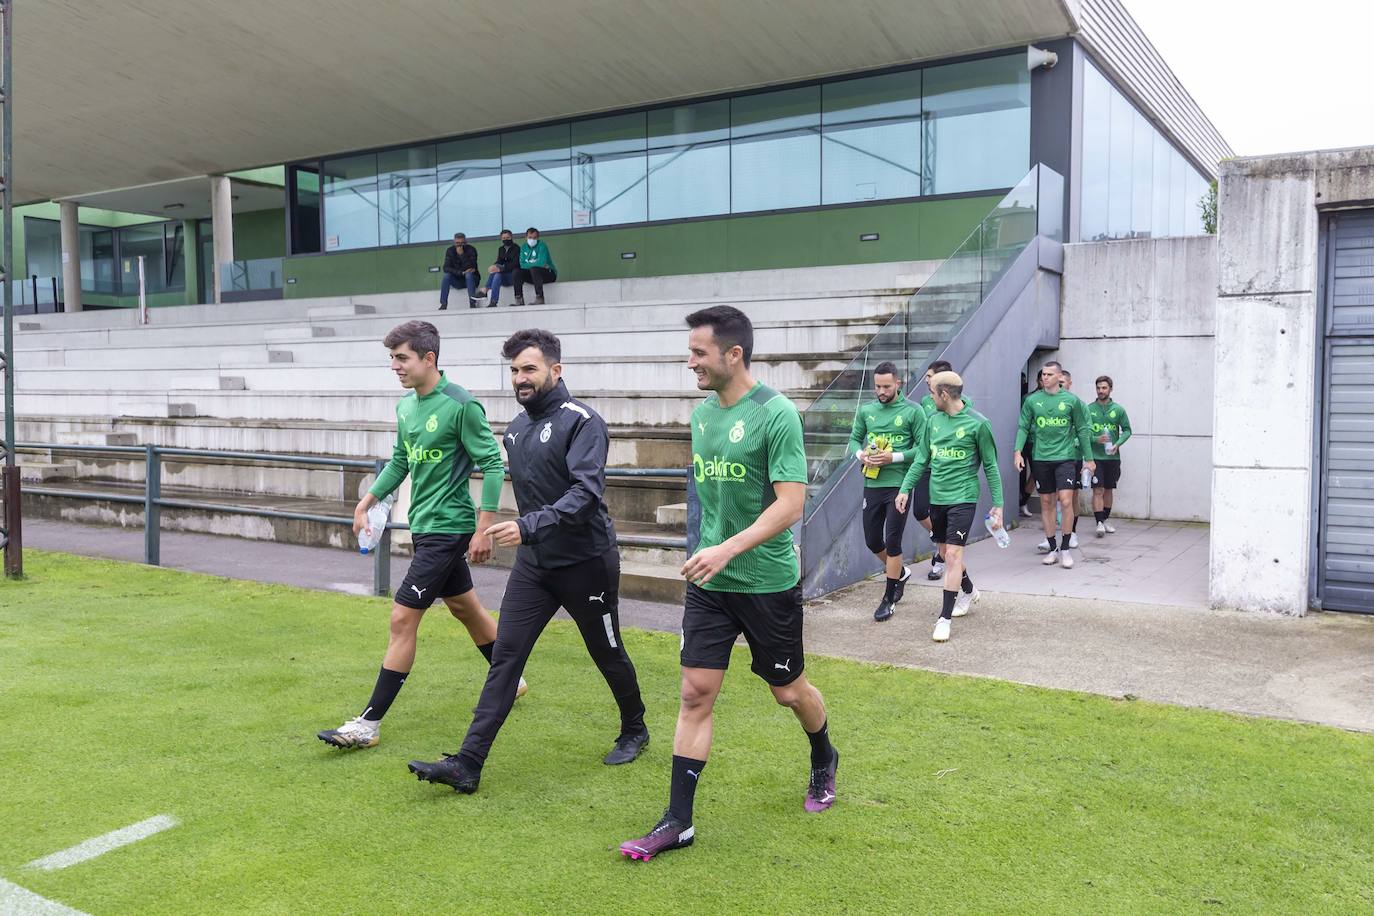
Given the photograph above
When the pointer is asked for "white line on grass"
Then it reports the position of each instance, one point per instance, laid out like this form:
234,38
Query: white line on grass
98,846
15,901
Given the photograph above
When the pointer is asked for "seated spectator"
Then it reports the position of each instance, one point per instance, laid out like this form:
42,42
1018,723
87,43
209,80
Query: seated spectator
503,271
460,269
536,266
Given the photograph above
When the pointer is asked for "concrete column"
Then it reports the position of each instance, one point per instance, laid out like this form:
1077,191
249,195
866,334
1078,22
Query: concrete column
71,255
222,222
1266,347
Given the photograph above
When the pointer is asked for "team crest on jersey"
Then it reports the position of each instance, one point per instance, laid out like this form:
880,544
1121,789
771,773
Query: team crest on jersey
432,423
737,431
546,432
959,433
1063,407
1112,414
898,421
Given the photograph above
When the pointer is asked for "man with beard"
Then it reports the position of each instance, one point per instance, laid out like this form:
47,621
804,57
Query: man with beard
567,557
884,440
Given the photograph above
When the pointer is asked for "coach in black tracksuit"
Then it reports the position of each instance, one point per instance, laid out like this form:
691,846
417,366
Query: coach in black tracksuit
567,553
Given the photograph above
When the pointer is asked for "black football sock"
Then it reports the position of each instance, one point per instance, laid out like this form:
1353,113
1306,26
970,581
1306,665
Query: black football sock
384,693
486,650
821,750
967,584
683,793
1064,542
947,611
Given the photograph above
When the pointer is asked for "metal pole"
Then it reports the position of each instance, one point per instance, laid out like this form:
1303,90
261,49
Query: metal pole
142,298
14,556
152,512
381,557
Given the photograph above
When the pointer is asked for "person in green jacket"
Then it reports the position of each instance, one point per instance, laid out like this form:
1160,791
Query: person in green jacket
536,266
957,441
1110,430
442,436
1060,422
884,438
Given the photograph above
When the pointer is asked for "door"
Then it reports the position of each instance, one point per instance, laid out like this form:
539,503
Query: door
1345,522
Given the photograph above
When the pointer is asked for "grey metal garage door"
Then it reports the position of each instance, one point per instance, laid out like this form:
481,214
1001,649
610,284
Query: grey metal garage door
1345,529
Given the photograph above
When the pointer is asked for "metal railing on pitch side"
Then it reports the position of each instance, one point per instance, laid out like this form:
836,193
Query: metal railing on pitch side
154,502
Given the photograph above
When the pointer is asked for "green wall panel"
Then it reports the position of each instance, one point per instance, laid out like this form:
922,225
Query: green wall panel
921,230
260,234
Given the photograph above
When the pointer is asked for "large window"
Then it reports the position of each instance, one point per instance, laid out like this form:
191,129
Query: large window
1135,184
536,177
350,203
409,205
775,150
871,138
977,125
610,177
950,129
689,160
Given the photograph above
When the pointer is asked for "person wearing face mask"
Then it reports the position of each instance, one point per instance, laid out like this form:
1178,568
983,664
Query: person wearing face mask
503,271
536,266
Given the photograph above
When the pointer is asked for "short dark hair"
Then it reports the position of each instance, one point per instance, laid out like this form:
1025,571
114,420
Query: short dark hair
1052,362
420,336
531,229
1105,378
459,235
1066,372
539,338
886,367
504,231
729,326
940,365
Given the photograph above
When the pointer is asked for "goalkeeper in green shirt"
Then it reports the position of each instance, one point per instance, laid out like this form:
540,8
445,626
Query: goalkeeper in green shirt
442,436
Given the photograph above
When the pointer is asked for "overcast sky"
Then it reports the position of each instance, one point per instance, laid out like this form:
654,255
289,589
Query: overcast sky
1273,78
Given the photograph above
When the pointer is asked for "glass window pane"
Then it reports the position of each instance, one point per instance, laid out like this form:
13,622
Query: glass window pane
146,241
350,203
977,125
470,186
1097,101
610,177
1120,162
1178,196
689,160
305,209
1142,177
408,196
42,247
1160,167
871,138
98,261
775,150
536,178
174,239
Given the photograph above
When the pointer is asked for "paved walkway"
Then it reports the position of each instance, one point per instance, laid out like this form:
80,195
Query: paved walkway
1319,668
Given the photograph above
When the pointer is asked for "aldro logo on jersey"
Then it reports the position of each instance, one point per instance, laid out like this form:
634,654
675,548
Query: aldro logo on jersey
418,454
432,423
704,469
1042,422
946,452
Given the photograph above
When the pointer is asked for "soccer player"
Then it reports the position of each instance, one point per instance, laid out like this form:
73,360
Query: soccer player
920,502
441,437
750,473
567,557
1110,430
1061,429
957,441
1077,468
884,438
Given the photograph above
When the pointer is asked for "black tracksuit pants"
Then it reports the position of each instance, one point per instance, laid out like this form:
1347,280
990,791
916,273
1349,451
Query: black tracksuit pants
589,590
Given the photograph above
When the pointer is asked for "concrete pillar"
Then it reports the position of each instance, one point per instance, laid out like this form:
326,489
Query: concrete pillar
1264,410
222,223
71,255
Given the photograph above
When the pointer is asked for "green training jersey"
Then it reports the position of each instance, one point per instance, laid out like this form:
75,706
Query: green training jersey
738,453
440,439
1109,418
953,450
1059,425
928,405
899,423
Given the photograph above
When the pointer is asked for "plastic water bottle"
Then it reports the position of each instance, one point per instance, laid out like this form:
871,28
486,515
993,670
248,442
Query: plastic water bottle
371,536
1087,479
999,532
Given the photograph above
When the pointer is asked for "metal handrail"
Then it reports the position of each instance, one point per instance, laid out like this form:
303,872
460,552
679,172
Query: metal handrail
153,501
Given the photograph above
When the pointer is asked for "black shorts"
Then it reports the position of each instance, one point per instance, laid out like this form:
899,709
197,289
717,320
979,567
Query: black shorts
1107,474
771,624
952,524
883,524
920,498
1051,476
438,570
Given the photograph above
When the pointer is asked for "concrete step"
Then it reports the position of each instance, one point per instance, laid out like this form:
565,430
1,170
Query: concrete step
672,514
347,310
46,471
289,332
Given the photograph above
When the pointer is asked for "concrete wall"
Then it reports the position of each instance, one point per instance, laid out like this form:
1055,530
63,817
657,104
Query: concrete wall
1267,340
1142,311
923,230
